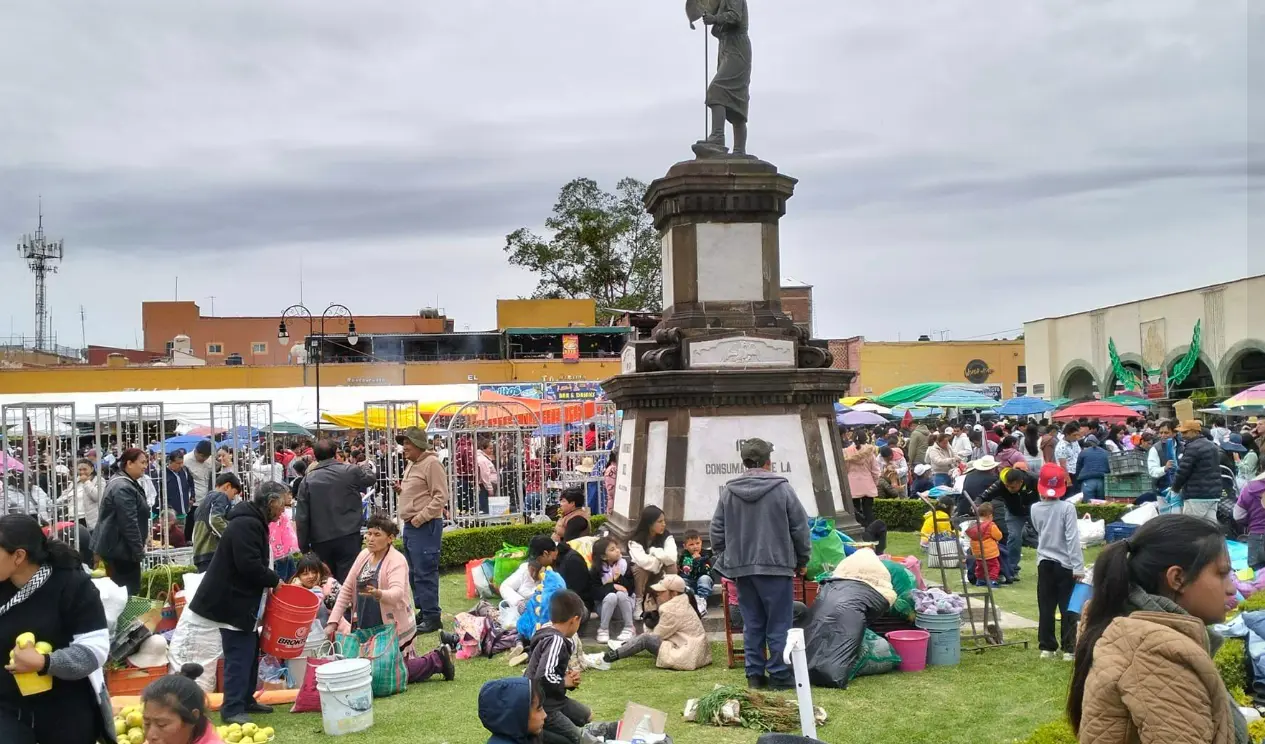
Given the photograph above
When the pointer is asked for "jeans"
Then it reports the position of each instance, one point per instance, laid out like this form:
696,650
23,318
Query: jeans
484,495
941,479
622,601
1093,488
1054,589
1014,542
339,554
596,503
241,670
421,547
284,567
767,613
1256,551
700,587
563,726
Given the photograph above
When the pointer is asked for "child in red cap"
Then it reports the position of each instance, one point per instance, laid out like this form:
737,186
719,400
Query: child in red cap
1060,563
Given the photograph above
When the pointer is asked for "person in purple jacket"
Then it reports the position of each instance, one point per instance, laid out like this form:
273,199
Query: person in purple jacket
1249,510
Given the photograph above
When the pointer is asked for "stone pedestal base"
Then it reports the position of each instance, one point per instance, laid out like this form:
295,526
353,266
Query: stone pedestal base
678,445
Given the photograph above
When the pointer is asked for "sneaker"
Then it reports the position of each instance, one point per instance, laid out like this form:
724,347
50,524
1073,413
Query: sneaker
994,585
624,635
603,636
757,682
979,583
254,706
637,614
430,625
1069,657
614,645
701,603
240,719
1047,654
446,666
609,656
516,657
781,683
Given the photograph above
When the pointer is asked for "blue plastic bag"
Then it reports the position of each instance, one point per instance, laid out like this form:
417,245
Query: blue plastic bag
536,613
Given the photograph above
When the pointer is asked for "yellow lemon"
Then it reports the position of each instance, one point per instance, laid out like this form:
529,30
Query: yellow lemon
249,729
136,736
233,737
260,737
135,720
26,639
44,648
120,726
234,727
269,731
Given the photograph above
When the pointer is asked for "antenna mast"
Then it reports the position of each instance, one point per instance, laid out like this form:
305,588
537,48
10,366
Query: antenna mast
42,256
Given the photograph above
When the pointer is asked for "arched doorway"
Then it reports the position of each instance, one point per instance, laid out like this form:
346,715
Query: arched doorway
1113,383
1246,370
1079,383
1200,378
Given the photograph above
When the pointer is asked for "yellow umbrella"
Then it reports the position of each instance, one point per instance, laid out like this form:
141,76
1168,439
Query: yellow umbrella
404,416
852,401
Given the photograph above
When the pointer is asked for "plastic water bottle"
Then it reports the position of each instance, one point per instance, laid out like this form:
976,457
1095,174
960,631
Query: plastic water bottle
641,734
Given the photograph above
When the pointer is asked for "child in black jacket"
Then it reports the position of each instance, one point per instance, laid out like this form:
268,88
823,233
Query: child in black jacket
695,567
550,654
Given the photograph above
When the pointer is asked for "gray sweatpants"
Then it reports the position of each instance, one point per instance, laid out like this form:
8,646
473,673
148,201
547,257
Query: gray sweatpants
621,600
644,642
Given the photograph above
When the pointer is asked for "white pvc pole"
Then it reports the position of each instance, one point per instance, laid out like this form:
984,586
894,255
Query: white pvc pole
794,655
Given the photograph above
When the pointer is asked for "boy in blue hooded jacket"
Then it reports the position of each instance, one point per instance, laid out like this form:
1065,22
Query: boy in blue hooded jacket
511,709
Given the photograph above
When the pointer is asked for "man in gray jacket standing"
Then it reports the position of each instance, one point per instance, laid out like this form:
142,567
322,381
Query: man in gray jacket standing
328,510
760,531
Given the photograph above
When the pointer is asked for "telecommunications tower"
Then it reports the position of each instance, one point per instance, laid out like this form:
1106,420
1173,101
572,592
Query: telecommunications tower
42,256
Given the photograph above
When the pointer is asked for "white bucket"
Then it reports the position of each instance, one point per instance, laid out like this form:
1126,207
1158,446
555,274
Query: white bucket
346,689
298,667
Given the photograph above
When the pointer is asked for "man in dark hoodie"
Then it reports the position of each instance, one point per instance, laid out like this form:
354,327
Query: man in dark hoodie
328,512
230,593
511,710
760,531
550,654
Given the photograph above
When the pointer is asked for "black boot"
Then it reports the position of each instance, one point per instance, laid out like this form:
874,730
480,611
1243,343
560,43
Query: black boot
451,640
448,668
757,682
610,656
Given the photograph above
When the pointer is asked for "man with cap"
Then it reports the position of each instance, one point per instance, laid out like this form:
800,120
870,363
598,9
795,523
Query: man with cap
760,531
329,510
1199,468
423,496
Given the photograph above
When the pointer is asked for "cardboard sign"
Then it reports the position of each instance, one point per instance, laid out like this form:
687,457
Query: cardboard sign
633,715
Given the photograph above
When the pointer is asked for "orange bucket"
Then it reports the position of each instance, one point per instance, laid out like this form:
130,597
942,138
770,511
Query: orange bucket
287,621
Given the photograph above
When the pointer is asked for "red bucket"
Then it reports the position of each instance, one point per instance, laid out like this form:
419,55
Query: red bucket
287,621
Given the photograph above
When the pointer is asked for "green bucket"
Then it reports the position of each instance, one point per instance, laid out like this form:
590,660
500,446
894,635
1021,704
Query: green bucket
945,646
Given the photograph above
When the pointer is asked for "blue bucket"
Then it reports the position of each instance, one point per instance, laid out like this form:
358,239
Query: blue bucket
1080,595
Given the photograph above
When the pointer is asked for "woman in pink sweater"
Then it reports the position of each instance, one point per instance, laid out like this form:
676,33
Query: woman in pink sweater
861,461
377,592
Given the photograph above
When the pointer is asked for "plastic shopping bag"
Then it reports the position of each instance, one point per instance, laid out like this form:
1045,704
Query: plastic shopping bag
827,549
381,646
1093,531
507,561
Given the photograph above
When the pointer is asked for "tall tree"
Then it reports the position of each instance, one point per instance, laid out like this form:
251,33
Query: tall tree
603,246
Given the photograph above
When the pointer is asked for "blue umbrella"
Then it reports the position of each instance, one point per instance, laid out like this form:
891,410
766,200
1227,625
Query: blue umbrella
916,412
183,442
1024,406
841,408
951,398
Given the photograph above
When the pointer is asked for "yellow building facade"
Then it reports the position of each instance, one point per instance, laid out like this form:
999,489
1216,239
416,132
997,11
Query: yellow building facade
884,365
85,379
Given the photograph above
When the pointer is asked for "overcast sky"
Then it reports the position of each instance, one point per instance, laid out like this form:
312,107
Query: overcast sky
964,164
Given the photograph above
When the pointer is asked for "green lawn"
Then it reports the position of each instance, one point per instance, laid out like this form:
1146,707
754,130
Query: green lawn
994,696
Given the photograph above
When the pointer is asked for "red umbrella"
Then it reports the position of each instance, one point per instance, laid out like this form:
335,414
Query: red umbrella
1097,409
908,419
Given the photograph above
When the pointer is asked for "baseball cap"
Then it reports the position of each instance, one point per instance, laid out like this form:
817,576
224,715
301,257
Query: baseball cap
417,436
670,583
1052,481
921,469
756,450
948,430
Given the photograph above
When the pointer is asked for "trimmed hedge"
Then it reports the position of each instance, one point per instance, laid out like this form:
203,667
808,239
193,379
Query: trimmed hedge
905,515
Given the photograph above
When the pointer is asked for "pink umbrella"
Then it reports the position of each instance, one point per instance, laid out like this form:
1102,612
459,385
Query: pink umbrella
8,463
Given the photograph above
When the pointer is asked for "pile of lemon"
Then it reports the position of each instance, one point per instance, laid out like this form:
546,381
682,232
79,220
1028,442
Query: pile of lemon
245,733
130,725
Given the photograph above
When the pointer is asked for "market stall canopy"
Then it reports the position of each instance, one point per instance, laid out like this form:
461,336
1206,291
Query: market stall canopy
286,428
380,416
1098,409
205,431
953,398
916,412
242,435
1250,402
872,408
853,400
907,393
9,463
1131,401
1060,402
841,408
545,411
1024,406
859,418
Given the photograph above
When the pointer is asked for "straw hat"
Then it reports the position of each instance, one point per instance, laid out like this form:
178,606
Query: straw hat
985,463
152,653
586,466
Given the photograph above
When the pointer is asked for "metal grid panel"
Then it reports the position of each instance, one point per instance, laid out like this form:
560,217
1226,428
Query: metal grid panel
488,451
37,463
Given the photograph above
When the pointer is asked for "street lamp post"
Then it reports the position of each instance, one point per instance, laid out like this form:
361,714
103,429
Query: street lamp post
333,311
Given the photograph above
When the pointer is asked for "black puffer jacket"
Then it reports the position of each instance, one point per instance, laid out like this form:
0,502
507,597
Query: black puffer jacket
1199,470
123,521
239,573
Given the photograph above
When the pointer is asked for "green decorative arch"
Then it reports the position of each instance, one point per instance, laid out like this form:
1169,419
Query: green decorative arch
1066,374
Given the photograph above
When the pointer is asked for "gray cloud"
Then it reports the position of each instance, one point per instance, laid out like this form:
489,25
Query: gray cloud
963,149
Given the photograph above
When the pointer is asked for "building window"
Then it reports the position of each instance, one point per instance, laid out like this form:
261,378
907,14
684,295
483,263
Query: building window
1023,374
215,348
259,347
170,346
1038,388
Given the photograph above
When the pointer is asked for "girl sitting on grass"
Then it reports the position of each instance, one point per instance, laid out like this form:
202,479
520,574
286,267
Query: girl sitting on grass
612,589
678,641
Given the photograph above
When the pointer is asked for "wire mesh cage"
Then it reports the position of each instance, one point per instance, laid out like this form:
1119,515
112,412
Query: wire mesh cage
385,421
38,448
574,447
118,427
247,444
488,449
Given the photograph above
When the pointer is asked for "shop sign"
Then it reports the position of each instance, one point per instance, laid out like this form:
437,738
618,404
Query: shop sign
567,391
977,371
515,390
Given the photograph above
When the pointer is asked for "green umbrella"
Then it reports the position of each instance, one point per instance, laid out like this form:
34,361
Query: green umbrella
286,428
907,394
1131,401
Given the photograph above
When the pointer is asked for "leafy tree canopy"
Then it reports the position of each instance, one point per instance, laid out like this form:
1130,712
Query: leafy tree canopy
603,246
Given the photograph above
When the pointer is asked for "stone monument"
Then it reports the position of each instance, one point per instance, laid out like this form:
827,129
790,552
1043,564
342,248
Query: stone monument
725,363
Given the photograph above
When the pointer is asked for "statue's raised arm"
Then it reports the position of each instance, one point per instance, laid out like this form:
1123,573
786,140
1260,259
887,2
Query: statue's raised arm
730,91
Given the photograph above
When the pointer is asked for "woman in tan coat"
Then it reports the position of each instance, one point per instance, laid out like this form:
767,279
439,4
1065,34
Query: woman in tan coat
1144,672
678,641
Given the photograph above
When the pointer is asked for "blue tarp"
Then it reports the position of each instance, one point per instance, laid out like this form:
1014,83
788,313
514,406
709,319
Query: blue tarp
1024,406
184,442
244,435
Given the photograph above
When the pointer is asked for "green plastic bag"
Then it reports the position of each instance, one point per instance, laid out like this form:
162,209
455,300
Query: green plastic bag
506,562
876,657
827,549
903,583
381,646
